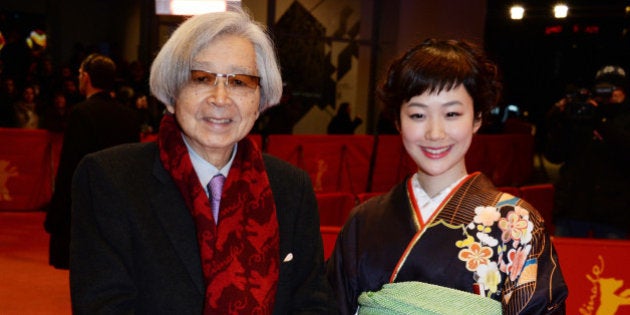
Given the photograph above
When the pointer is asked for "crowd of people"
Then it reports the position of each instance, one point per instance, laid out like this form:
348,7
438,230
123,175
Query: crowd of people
41,95
145,214
231,229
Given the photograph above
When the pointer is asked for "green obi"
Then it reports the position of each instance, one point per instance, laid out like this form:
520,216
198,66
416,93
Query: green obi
422,298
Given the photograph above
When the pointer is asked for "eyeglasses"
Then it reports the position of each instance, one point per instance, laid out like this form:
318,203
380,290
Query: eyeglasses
234,82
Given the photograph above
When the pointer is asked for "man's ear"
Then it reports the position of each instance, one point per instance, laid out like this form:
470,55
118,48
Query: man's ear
170,108
85,77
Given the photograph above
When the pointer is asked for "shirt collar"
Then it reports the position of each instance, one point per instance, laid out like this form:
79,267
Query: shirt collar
425,203
205,171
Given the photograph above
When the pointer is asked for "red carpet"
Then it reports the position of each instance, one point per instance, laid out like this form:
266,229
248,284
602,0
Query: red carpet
28,285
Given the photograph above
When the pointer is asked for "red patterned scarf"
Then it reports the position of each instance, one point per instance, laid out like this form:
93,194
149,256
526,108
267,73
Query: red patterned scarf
240,256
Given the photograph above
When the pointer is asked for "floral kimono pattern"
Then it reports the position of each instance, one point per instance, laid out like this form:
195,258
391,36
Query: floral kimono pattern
479,240
493,260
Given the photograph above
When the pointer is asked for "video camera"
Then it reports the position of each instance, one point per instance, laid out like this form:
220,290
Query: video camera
582,103
579,105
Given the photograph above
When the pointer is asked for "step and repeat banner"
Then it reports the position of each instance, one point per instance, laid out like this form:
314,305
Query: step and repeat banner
27,161
335,163
597,274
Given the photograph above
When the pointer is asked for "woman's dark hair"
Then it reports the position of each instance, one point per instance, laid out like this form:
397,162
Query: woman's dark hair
437,65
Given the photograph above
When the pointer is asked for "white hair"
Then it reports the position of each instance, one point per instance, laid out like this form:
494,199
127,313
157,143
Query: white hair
171,67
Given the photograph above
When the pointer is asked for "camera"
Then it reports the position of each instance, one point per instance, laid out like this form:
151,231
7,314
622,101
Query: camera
583,104
603,90
579,104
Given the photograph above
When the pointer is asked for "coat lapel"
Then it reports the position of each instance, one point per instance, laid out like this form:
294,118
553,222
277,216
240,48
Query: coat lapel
169,205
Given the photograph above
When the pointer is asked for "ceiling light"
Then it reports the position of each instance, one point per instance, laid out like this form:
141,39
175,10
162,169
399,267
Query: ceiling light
517,12
191,7
560,11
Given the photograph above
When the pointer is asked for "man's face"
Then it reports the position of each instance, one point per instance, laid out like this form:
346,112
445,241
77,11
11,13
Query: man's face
83,76
213,113
618,96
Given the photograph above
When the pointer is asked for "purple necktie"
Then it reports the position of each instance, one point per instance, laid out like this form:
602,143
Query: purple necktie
215,187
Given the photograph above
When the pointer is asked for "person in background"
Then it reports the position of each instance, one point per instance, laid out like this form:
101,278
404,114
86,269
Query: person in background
55,117
148,115
444,240
26,115
70,88
97,123
200,221
588,133
9,94
342,123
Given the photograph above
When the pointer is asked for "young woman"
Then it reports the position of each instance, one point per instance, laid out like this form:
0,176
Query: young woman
444,241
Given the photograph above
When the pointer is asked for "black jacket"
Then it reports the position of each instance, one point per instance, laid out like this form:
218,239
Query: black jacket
593,145
97,123
134,246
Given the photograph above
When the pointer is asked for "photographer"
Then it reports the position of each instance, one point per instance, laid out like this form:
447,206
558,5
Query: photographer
588,133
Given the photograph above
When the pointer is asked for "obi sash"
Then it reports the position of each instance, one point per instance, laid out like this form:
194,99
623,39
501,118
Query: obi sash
414,297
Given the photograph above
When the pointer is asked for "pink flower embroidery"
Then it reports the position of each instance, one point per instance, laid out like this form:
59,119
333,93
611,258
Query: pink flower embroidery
475,255
517,260
513,226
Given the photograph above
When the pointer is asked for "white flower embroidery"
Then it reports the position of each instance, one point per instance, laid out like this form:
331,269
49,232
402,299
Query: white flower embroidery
486,215
487,239
489,276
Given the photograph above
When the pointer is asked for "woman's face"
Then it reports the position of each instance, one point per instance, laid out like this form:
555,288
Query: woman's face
437,129
29,95
215,117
